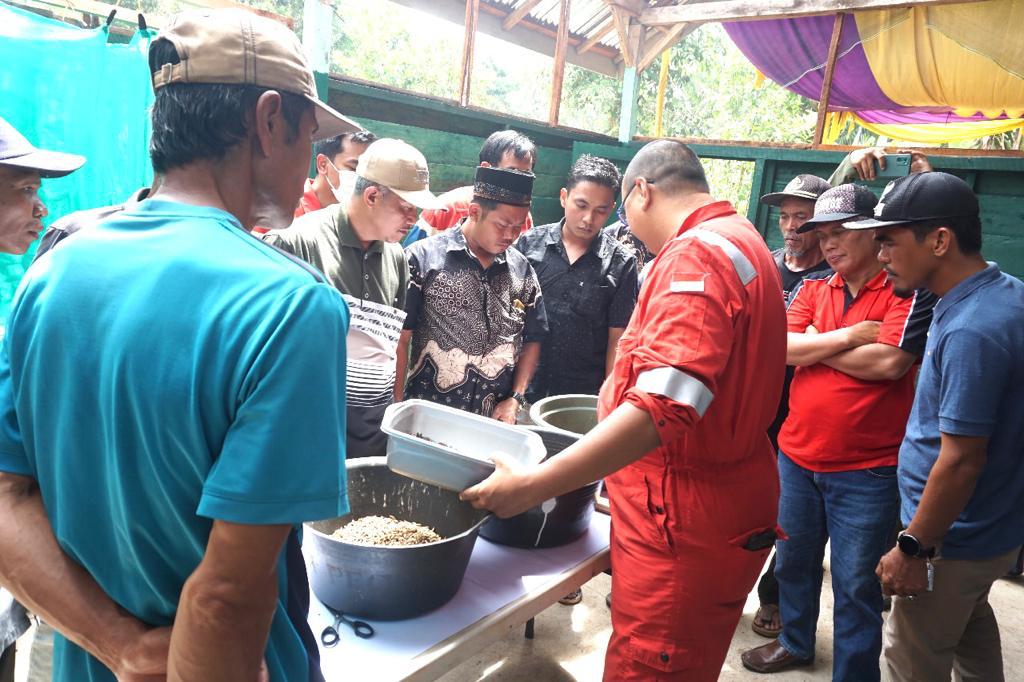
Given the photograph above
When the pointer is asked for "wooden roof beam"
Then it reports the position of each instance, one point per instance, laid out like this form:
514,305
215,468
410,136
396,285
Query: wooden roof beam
748,10
664,42
597,36
558,75
621,21
528,33
633,8
516,15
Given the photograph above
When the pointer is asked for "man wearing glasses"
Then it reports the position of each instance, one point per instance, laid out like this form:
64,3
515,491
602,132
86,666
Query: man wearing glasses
349,243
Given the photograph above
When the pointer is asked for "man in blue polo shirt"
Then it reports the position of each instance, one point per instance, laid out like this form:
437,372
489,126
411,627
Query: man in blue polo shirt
961,465
174,389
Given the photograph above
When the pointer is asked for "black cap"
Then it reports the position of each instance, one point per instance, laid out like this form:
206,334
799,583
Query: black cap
504,185
803,186
18,152
844,202
923,196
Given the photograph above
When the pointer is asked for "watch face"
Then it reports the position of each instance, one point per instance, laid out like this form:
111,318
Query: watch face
908,544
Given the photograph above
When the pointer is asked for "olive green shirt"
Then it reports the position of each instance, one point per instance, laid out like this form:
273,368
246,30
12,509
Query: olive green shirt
373,282
325,240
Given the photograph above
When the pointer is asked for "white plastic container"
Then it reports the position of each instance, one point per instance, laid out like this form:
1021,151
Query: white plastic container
451,448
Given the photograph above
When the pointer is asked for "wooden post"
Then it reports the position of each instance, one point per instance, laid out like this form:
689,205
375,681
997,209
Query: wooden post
628,108
826,83
659,113
558,75
468,43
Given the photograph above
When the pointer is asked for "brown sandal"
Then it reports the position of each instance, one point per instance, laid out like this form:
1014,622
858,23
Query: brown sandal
767,621
573,598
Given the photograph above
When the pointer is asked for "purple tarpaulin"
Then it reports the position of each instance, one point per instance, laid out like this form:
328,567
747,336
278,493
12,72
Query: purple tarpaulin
793,53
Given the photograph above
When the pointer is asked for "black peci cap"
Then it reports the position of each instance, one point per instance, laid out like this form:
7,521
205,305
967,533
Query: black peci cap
504,185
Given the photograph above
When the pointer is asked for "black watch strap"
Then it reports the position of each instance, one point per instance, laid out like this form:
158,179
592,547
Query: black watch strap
520,398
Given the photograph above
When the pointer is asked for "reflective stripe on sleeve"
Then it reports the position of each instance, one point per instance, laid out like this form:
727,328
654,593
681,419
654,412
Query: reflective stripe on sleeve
744,268
677,385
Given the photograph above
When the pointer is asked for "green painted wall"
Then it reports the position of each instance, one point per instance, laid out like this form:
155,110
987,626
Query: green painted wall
998,182
450,137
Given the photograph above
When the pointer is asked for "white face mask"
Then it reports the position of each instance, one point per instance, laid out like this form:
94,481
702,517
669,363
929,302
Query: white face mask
346,183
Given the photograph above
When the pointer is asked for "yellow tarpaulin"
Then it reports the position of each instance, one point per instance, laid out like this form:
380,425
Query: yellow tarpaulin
971,55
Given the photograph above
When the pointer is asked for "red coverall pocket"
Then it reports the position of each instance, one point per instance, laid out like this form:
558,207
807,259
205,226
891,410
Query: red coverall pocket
758,539
657,508
664,655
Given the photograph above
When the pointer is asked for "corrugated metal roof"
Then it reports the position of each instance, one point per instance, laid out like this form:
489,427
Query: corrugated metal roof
586,17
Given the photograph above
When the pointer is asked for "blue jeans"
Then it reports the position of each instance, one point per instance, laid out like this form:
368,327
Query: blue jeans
857,510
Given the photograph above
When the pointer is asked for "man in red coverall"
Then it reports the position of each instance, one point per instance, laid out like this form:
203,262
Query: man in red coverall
682,443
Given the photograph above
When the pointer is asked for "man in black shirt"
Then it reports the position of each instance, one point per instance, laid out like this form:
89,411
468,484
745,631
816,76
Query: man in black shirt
588,280
800,256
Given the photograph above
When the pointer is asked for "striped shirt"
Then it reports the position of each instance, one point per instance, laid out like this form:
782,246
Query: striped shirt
373,283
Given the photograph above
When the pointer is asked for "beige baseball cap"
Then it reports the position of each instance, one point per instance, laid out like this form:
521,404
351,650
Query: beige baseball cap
238,47
401,168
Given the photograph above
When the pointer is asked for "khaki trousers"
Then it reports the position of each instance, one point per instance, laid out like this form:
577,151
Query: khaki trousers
951,629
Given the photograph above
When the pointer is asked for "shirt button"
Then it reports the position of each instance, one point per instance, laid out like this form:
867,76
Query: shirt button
366,277
664,657
659,510
661,422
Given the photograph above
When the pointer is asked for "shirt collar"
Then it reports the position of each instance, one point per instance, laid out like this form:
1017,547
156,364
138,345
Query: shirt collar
457,242
598,245
346,236
137,197
716,209
966,287
879,281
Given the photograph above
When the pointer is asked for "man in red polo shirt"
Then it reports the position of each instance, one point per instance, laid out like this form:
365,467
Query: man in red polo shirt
683,441
854,342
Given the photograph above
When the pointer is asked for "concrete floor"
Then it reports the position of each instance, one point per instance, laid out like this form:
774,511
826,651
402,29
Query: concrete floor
569,642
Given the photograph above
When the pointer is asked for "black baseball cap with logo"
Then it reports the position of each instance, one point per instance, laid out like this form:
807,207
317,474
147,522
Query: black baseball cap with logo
919,197
843,202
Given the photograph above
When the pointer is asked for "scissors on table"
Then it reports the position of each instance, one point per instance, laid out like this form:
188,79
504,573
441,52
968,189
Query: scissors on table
330,637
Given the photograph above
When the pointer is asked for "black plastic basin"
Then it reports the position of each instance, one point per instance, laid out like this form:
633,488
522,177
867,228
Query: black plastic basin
393,583
568,520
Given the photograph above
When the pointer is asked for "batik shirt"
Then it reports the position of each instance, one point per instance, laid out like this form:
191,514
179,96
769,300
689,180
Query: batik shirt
621,233
468,323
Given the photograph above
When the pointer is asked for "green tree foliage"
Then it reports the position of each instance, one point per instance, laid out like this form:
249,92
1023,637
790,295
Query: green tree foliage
379,42
712,94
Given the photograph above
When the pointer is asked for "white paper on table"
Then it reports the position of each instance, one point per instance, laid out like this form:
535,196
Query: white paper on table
496,576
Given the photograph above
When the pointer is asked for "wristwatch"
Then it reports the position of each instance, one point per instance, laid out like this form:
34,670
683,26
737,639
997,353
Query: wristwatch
520,398
911,546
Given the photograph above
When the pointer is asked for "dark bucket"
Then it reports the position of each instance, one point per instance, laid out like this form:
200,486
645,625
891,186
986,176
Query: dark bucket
393,583
569,519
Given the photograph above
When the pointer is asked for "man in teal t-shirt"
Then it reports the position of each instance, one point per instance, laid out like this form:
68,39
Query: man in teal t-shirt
172,390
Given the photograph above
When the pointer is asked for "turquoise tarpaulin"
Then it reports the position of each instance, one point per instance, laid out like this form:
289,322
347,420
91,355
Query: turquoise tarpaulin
69,89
